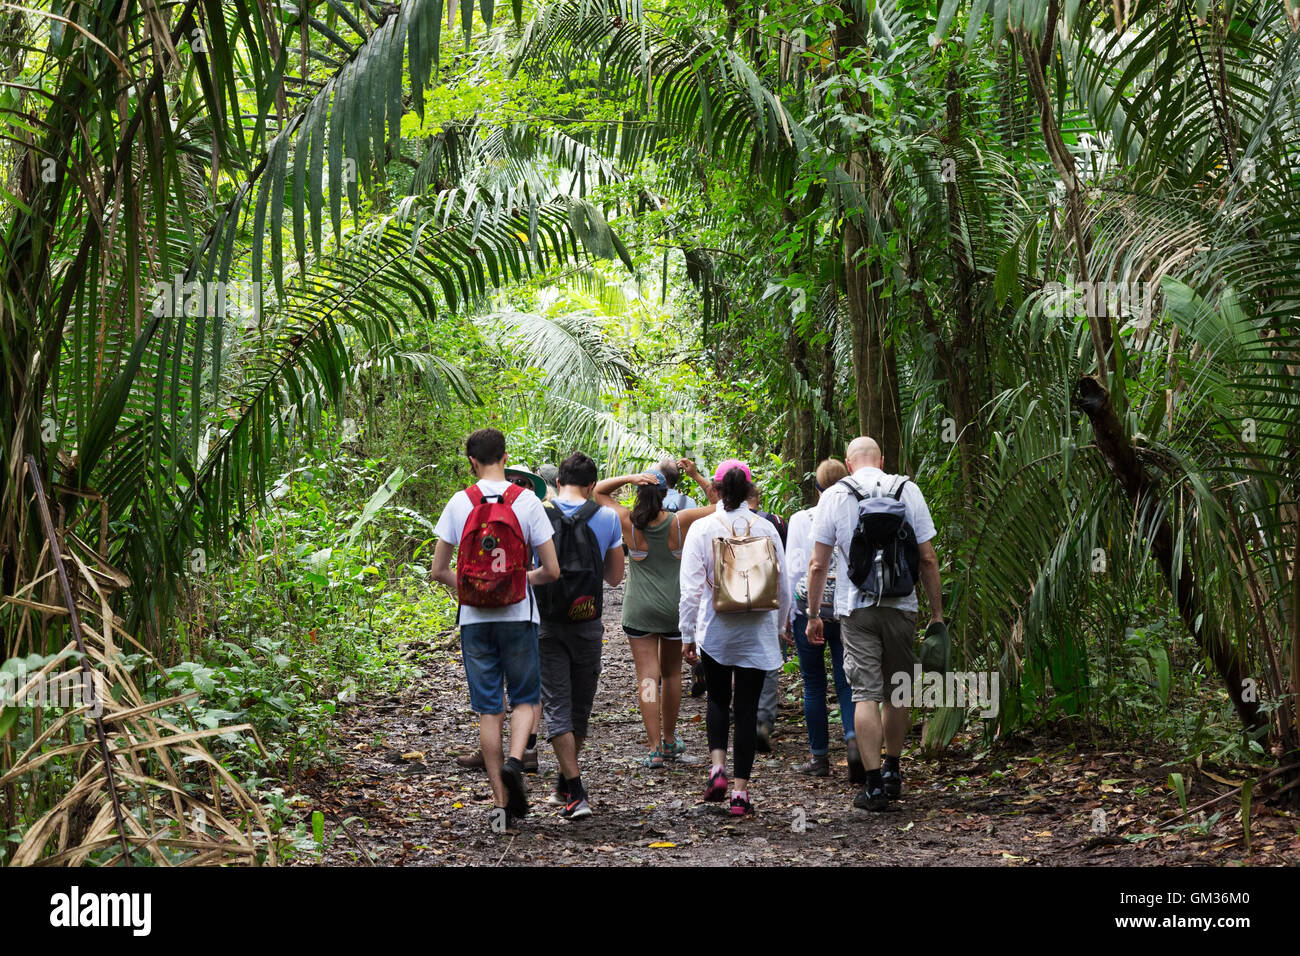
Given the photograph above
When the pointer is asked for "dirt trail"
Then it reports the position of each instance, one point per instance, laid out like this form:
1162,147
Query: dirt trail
1026,805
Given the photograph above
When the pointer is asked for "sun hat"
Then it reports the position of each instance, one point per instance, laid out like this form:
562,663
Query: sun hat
729,464
551,475
539,485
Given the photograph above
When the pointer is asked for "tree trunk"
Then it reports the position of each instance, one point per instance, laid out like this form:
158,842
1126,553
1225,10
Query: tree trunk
1091,396
875,365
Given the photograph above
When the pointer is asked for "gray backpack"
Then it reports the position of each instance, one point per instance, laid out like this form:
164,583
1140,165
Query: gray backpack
883,557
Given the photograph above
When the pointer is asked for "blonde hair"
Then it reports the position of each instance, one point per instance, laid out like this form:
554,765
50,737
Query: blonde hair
830,471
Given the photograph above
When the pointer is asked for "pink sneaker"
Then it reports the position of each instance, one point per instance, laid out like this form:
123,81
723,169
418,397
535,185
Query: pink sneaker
740,806
717,788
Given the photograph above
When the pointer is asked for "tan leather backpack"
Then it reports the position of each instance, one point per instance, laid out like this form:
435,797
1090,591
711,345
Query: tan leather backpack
746,571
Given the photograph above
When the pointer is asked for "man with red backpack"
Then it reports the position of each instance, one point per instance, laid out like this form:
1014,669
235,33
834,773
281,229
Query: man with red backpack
589,547
495,527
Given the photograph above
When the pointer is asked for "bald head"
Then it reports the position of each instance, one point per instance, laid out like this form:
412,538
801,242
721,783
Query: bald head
863,452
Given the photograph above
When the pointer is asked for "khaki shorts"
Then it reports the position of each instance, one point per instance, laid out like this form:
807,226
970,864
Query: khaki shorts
877,642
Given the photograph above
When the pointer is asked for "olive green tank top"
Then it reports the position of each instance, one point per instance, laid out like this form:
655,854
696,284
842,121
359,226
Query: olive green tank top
653,588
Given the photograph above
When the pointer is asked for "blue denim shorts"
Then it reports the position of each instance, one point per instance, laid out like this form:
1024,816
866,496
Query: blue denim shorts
501,651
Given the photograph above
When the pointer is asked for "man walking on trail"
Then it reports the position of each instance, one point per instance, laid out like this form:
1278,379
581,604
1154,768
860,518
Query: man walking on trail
877,631
494,527
589,547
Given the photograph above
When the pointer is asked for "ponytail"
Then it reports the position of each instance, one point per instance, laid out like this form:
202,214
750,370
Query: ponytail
735,489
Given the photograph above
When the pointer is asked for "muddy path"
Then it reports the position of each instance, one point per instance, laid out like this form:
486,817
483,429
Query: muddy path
1026,803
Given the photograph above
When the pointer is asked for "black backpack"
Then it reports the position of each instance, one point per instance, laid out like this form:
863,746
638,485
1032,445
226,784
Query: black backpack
777,522
577,595
883,554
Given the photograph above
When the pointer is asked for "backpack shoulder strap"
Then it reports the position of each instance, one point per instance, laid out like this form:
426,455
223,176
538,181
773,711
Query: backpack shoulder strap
512,492
900,482
475,495
587,511
853,486
730,525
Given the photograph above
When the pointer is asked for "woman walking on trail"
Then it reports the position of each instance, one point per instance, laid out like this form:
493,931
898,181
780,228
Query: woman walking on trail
812,656
739,646
650,597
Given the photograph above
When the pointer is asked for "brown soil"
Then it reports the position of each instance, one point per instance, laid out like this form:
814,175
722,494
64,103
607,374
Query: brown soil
1027,802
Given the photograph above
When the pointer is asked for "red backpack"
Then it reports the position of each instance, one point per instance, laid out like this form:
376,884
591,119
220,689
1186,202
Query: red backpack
492,558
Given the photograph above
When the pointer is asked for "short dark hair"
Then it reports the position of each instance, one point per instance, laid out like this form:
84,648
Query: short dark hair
670,472
486,446
578,469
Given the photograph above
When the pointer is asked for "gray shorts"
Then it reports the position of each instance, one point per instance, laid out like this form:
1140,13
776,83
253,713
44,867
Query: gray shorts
877,643
570,661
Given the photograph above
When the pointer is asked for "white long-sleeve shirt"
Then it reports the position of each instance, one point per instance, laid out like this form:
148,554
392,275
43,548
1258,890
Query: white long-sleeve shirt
742,639
798,551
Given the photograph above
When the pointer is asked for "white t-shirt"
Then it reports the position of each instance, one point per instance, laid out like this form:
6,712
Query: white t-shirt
532,521
836,517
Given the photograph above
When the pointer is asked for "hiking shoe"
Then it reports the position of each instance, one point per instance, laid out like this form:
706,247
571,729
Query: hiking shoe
512,775
560,797
698,687
857,770
874,800
655,761
764,742
530,761
472,761
717,788
578,809
893,781
816,766
673,751
740,806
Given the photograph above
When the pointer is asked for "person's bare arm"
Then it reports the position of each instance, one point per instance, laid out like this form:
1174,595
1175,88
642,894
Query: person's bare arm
819,567
692,515
688,467
441,571
606,487
930,580
613,566
550,569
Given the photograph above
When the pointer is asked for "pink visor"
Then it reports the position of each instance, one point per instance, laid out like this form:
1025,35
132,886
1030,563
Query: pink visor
729,464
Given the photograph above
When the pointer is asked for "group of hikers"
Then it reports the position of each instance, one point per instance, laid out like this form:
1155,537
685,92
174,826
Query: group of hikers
720,585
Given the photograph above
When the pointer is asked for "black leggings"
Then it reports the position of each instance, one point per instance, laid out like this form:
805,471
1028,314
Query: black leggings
749,685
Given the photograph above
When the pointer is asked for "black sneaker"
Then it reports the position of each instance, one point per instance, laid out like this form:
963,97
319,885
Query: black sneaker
698,688
512,775
764,742
857,770
871,800
893,782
